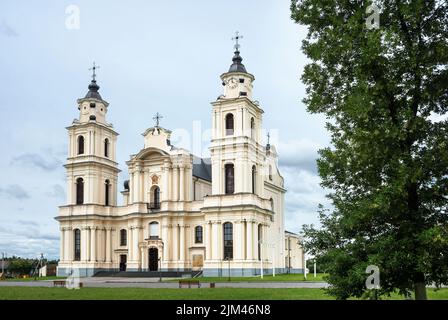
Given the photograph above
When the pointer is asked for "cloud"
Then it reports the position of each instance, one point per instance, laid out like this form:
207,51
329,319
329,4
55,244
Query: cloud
14,191
300,154
57,191
37,161
7,30
26,238
27,223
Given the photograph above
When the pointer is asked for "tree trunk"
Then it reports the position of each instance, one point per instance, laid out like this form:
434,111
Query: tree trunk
420,291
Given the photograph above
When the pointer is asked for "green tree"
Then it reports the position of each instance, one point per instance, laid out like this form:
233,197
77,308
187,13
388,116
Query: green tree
20,265
384,93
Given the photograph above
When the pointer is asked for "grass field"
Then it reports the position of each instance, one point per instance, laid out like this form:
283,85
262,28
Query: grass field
41,293
280,278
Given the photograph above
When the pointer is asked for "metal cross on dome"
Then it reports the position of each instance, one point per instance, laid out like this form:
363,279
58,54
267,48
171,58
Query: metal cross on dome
157,118
93,70
236,38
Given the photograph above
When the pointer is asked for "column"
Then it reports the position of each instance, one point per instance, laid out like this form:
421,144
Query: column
141,186
250,240
113,244
137,186
142,259
69,244
165,181
93,244
130,244
166,256
62,244
182,183
208,241
170,183
215,241
85,238
135,250
175,253
182,243
175,183
108,245
239,240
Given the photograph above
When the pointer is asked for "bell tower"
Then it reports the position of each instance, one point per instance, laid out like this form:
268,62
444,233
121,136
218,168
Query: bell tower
236,149
92,170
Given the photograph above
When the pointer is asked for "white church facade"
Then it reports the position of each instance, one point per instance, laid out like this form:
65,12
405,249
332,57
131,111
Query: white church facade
179,212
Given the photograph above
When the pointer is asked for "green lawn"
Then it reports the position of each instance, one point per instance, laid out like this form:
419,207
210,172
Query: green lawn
35,279
280,278
41,293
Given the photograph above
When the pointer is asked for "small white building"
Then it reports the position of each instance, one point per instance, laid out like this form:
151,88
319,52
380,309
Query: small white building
179,212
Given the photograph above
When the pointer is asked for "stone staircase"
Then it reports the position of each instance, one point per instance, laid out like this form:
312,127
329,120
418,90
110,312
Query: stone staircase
149,274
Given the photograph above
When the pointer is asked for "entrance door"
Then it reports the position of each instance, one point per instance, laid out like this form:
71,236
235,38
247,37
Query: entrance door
153,259
123,261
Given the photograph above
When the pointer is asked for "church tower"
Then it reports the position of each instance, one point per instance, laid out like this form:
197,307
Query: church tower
92,170
237,154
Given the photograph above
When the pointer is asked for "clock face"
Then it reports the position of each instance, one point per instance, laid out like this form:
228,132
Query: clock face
232,83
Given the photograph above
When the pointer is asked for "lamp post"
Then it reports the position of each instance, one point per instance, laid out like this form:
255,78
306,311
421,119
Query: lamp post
261,258
314,267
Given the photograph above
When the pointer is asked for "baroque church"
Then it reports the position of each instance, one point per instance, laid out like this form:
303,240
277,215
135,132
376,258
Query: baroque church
179,212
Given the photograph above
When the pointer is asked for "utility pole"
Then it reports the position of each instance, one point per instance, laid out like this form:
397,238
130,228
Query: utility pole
3,263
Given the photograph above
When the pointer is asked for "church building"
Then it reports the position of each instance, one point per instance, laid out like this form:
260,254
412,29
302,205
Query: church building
179,212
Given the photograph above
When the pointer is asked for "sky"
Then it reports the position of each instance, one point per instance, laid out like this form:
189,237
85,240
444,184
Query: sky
154,56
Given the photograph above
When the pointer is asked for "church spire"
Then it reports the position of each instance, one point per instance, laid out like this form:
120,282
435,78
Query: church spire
237,66
93,86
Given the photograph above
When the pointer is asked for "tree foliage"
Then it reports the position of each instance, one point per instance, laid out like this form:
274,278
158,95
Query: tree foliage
384,93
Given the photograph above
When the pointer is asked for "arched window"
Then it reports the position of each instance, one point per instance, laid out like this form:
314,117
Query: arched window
198,234
123,237
272,204
106,148
252,128
228,240
155,198
77,234
254,173
229,124
154,230
80,145
229,179
106,192
270,172
79,191
260,240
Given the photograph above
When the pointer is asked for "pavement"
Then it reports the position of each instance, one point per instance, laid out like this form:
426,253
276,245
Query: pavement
115,282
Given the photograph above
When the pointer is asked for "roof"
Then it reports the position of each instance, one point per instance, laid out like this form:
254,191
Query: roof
291,233
237,66
93,91
202,168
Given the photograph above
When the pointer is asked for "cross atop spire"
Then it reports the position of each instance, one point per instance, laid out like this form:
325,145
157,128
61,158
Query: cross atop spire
236,38
93,70
157,118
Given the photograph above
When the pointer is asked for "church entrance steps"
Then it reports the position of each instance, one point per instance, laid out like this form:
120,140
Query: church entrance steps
148,274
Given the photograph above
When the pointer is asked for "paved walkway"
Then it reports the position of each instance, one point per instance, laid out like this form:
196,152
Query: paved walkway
154,283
